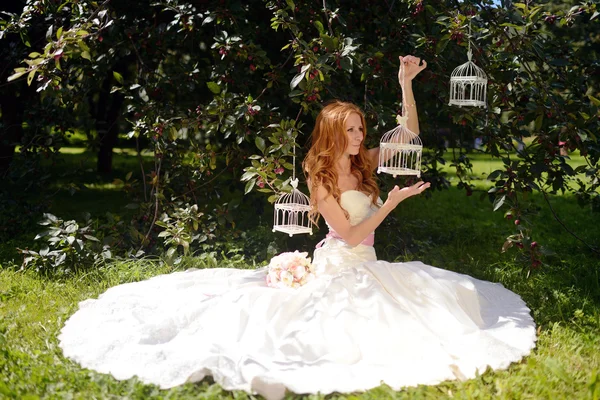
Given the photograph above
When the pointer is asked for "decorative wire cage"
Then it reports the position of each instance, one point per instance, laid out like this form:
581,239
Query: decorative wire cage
400,151
291,212
468,85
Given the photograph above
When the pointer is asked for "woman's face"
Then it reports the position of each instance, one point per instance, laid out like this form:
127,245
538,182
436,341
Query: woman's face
355,133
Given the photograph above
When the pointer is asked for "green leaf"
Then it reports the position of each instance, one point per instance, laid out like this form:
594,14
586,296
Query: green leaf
59,32
86,55
592,99
319,27
171,251
16,75
214,87
441,45
328,42
247,175
260,143
92,238
118,77
297,79
291,4
42,234
538,122
173,133
31,76
249,186
494,175
499,201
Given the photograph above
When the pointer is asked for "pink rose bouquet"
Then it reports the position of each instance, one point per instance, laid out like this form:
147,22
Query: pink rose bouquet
290,270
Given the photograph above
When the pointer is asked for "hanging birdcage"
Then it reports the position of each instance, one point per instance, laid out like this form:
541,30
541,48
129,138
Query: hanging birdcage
291,212
400,151
468,85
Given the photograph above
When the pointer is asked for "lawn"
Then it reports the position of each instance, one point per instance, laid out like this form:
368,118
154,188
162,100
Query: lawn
449,230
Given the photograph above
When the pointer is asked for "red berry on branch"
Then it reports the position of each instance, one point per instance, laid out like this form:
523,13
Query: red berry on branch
517,222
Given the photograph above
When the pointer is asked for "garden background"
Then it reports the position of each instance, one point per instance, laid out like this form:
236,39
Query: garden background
140,138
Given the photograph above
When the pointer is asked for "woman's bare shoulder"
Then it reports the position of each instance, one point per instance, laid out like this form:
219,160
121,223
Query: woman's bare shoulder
318,191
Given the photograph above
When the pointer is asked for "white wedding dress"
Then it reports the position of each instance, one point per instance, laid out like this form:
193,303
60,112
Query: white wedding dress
359,324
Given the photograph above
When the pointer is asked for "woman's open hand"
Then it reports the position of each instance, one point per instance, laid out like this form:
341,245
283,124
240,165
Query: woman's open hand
412,67
396,195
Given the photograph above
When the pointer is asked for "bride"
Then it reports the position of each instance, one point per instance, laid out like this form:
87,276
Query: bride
360,323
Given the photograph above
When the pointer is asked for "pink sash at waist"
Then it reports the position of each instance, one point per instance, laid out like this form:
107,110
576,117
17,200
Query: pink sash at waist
369,240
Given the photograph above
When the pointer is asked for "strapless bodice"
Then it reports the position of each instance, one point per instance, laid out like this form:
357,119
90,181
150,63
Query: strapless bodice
358,205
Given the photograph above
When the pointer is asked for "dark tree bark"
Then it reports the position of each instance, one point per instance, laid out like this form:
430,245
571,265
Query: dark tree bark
107,112
108,131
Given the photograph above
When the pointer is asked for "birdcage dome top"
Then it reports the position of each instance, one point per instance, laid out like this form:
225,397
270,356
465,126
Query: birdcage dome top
468,71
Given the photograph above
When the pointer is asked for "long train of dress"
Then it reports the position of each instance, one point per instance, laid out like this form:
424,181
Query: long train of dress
361,323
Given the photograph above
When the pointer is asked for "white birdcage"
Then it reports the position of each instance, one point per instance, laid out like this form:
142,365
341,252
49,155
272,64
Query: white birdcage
291,212
292,209
400,151
468,85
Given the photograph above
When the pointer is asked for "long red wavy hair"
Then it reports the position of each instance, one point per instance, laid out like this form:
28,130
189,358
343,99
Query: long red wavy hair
329,141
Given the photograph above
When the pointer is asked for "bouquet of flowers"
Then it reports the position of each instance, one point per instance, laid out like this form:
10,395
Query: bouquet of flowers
290,270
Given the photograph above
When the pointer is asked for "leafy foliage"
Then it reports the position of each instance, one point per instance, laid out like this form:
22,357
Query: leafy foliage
67,244
226,92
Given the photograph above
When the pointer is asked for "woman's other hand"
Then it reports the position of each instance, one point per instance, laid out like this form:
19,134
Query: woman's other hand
397,195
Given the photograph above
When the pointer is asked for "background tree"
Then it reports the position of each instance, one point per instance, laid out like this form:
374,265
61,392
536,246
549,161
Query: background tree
221,92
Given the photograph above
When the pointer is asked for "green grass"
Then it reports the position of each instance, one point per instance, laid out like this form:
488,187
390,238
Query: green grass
449,230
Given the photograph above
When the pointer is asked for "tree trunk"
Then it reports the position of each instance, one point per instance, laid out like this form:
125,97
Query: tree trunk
108,131
107,113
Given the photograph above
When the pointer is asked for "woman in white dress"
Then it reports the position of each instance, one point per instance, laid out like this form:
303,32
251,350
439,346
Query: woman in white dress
360,323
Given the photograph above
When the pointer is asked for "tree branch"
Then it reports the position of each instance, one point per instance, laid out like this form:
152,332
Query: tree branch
593,249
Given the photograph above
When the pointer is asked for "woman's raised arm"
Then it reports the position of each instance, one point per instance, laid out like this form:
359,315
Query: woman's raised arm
412,68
